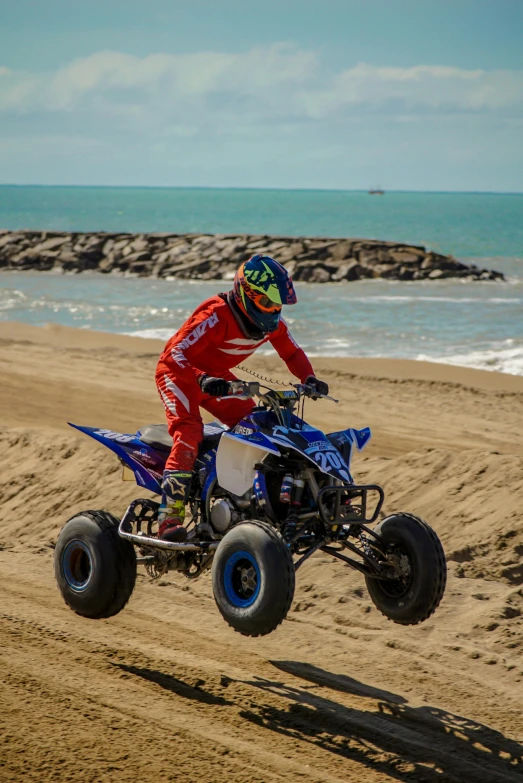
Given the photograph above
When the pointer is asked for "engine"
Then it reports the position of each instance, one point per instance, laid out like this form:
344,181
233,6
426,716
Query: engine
224,514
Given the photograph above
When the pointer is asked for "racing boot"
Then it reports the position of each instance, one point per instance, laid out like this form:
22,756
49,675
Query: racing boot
171,515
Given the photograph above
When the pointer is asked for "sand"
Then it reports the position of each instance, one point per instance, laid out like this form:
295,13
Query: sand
165,690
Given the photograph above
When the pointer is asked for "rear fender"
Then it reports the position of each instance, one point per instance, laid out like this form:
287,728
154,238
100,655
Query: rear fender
133,453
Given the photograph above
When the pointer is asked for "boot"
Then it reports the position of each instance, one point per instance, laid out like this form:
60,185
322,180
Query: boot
171,514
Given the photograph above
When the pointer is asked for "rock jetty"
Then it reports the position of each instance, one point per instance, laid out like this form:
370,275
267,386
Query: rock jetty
216,256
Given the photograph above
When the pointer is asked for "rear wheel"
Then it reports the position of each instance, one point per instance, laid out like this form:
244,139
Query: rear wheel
253,579
95,569
420,570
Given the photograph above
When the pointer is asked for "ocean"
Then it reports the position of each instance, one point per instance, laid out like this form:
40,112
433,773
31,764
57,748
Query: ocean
471,324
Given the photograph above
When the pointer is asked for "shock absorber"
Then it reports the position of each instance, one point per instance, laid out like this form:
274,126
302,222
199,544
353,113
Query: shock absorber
291,522
286,488
299,485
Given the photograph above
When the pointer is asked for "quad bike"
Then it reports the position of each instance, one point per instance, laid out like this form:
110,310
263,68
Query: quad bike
265,496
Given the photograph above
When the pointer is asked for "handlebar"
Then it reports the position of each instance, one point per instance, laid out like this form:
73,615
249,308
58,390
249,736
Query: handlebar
242,390
245,390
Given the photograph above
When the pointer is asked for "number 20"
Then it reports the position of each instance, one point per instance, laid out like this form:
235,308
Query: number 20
328,459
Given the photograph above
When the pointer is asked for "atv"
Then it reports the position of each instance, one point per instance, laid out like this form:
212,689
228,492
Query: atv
265,496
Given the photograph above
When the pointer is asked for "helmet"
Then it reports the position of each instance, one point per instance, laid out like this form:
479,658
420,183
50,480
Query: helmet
261,287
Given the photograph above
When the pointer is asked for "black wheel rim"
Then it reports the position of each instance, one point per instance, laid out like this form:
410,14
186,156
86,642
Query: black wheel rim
401,582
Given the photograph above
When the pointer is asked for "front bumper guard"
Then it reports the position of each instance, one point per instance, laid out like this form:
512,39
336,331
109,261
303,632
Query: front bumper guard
350,504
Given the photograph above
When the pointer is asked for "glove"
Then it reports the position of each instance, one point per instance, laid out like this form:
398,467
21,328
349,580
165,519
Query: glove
214,387
320,386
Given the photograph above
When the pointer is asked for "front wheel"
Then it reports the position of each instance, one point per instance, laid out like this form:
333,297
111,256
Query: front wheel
253,579
95,569
418,562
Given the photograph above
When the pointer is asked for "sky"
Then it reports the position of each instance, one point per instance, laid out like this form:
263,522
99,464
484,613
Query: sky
342,94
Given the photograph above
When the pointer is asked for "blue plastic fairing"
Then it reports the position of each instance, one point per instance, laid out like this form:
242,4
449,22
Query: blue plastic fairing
133,453
245,431
361,437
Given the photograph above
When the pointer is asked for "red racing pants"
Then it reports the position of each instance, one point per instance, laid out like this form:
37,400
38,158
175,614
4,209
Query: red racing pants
182,401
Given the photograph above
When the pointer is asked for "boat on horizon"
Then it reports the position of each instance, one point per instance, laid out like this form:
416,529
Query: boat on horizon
378,191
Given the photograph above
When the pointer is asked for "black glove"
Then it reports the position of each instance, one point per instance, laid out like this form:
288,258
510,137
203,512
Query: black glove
214,387
320,386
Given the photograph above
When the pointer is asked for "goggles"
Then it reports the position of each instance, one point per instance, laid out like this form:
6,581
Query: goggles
267,305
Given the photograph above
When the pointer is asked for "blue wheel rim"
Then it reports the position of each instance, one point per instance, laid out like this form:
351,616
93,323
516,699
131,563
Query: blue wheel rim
241,579
77,565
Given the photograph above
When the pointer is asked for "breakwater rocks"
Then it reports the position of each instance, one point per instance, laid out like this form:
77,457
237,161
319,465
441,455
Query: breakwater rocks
216,256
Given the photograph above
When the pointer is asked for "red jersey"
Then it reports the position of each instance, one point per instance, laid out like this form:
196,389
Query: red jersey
212,342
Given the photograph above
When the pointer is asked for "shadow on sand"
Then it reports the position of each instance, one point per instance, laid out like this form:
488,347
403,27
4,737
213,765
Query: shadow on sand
174,685
422,744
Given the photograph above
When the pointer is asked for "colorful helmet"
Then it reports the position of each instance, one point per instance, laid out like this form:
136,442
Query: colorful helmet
261,287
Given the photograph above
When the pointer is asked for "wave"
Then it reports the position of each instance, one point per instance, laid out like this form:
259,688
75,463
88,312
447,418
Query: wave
481,327
10,299
153,334
507,360
451,299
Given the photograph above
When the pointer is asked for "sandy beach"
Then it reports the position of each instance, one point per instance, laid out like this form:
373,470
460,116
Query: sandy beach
165,690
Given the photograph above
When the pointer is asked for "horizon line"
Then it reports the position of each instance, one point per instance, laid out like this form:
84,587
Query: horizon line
265,188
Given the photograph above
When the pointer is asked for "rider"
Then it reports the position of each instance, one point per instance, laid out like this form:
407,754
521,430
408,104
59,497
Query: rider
195,368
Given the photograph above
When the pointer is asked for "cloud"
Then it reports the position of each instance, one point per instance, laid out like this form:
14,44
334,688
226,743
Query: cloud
435,88
161,80
271,116
273,85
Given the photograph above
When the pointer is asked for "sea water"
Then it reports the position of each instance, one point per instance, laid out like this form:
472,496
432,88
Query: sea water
471,324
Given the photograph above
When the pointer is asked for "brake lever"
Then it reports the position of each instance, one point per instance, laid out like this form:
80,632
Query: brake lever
323,397
314,395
